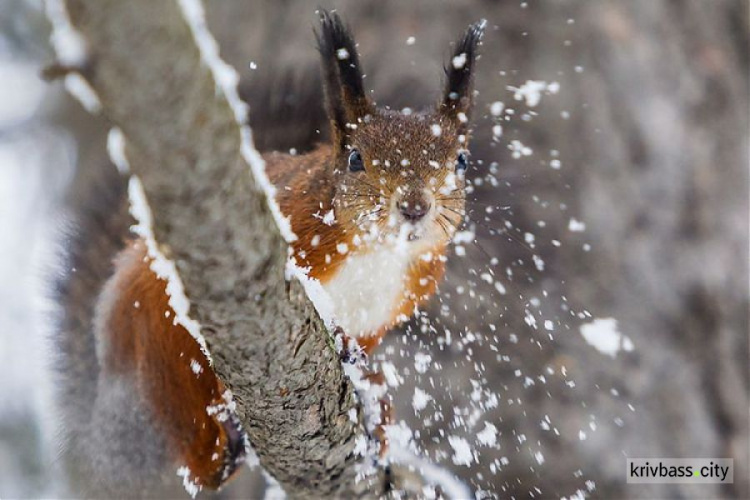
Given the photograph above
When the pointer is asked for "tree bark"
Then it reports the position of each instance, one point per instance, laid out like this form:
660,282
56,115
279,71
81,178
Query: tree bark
268,344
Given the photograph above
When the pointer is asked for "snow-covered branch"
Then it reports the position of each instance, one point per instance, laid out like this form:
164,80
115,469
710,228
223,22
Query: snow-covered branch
179,129
185,145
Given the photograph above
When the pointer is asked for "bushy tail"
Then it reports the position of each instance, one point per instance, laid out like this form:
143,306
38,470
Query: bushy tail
98,225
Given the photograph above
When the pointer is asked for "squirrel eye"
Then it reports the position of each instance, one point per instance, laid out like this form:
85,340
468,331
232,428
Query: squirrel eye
462,162
355,161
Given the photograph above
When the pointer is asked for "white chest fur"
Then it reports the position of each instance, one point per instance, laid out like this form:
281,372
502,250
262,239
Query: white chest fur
367,288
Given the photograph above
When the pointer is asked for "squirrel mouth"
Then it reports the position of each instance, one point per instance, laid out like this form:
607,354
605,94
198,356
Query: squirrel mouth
393,231
413,232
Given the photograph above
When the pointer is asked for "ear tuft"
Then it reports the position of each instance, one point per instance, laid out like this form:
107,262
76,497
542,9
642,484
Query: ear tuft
337,47
346,100
459,72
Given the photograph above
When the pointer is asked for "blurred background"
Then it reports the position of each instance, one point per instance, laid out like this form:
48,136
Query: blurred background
602,312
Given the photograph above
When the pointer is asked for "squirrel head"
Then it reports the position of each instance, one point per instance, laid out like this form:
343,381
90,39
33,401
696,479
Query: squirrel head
395,174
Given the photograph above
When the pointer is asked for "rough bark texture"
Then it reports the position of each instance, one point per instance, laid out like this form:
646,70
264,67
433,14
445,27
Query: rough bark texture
266,340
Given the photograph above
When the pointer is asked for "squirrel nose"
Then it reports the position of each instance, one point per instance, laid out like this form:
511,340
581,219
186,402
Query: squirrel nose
413,211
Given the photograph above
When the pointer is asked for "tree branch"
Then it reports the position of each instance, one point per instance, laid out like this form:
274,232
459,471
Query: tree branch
268,344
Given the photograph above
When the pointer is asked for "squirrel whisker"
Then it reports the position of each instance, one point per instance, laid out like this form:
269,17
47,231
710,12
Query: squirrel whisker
444,228
460,213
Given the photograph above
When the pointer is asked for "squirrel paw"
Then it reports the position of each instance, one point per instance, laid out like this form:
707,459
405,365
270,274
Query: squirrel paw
348,348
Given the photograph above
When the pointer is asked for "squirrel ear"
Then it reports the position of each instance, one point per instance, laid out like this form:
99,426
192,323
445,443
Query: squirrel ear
346,100
457,96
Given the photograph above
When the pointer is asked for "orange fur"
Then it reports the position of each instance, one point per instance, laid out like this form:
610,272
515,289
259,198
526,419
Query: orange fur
405,164
382,173
306,191
305,195
138,339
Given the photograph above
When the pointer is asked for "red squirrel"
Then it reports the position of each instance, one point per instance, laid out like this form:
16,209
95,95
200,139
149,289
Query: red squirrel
374,212
139,400
375,209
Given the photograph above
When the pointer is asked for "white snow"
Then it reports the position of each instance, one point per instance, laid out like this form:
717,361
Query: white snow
459,61
602,334
488,435
79,88
422,362
68,43
226,78
462,453
70,49
323,302
531,91
578,495
191,486
420,399
329,218
518,149
449,484
161,266
223,410
274,491
116,149
342,54
538,262
196,366
392,378
576,226
463,237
